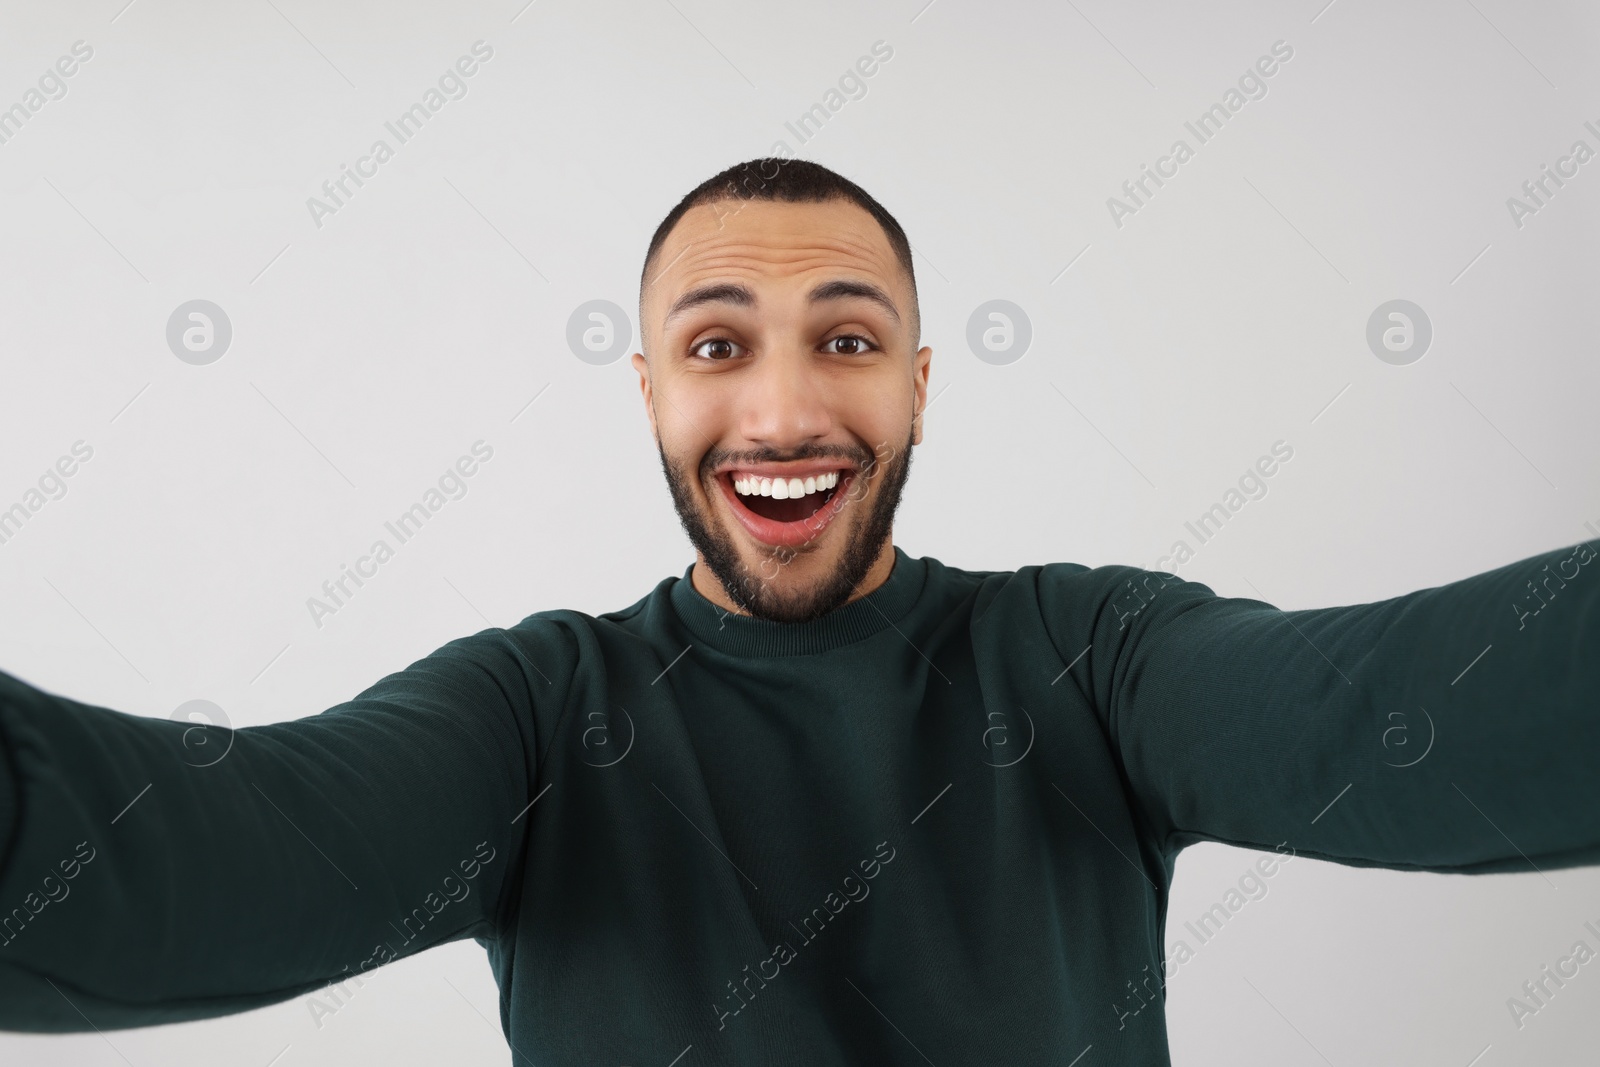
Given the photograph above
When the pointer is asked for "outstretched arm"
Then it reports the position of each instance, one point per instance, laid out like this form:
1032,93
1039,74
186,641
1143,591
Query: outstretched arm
145,880
1451,729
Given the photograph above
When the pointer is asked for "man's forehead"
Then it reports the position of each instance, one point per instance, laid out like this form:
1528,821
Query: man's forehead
763,240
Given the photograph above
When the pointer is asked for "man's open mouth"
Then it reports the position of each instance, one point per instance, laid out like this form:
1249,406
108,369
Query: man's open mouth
785,499
780,508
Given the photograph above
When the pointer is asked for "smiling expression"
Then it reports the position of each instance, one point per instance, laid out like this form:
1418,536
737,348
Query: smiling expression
783,386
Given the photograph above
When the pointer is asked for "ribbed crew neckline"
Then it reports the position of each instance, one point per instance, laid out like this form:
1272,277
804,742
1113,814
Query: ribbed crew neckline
741,635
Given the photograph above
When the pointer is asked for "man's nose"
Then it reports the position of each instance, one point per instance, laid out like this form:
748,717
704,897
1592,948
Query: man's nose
785,400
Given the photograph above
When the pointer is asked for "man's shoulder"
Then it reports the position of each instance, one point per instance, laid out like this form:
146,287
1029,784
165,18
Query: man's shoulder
1068,596
547,619
1080,576
996,594
651,618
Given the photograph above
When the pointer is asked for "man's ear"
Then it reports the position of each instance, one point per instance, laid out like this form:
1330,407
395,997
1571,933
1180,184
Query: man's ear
919,381
641,365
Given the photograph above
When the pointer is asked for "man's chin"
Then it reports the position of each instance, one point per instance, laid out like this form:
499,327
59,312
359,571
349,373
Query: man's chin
788,585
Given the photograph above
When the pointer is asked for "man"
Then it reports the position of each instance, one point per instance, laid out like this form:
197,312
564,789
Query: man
817,801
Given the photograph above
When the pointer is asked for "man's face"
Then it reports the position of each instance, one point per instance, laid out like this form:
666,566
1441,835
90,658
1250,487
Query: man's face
783,392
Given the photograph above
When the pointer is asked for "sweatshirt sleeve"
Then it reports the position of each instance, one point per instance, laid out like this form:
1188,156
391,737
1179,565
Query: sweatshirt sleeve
154,871
1451,729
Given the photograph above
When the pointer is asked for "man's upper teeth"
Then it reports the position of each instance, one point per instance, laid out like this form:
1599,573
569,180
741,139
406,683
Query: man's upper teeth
784,488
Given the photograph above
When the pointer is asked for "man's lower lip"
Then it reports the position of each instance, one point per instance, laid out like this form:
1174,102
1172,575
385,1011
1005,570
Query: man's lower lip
787,534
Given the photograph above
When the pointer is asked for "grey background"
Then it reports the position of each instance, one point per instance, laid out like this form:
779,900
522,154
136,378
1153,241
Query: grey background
1167,354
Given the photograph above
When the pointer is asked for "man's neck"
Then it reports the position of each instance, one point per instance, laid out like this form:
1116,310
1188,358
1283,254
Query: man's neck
706,583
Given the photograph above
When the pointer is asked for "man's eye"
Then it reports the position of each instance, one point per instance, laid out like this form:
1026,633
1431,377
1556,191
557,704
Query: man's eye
849,345
718,348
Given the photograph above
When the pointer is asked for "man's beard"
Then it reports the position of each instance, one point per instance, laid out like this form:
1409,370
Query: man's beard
756,591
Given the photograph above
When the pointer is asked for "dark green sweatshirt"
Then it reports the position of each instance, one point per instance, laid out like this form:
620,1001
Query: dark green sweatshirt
937,825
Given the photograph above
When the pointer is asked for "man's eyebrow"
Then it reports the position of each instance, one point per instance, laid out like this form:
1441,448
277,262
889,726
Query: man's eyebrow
741,296
718,293
845,288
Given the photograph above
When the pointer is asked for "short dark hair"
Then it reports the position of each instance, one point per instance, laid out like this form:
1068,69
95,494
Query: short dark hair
793,181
